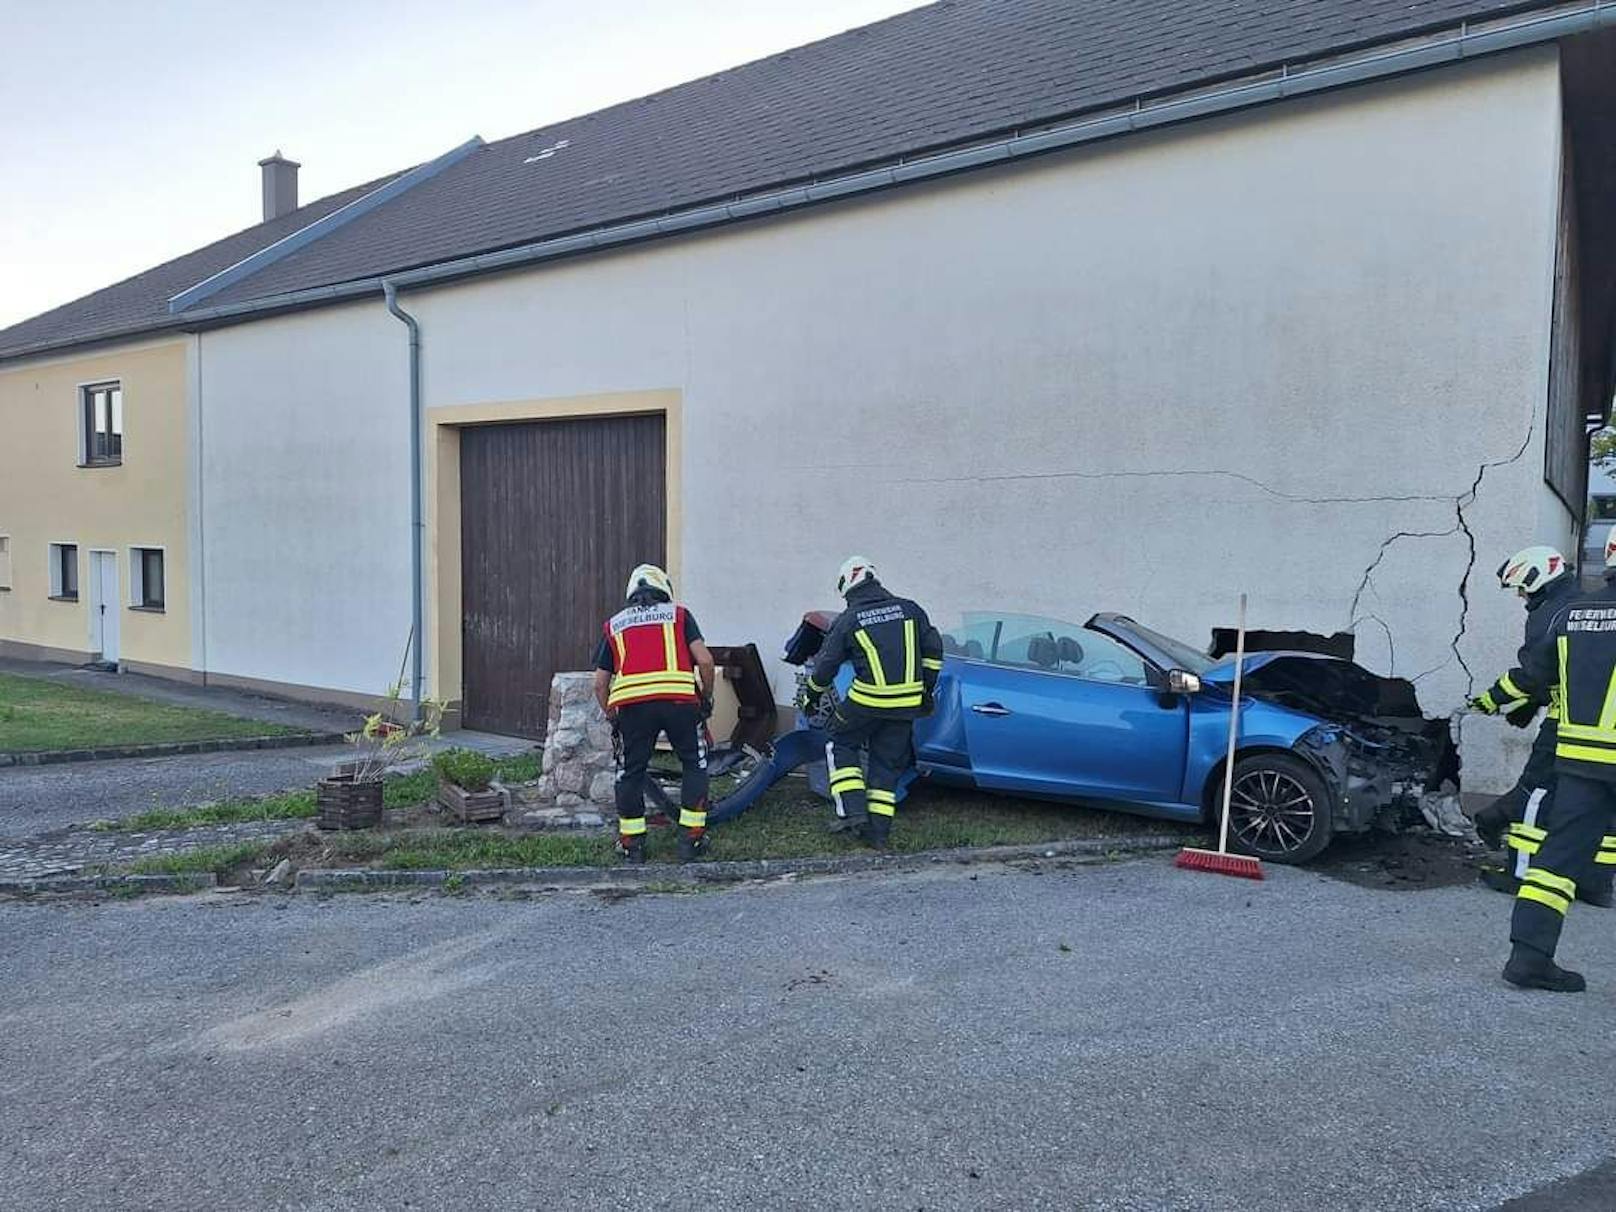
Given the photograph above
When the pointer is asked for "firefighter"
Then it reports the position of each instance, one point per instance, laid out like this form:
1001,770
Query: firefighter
1576,653
654,677
1541,577
896,655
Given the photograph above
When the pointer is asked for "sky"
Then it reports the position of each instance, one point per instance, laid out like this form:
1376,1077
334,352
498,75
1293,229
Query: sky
131,132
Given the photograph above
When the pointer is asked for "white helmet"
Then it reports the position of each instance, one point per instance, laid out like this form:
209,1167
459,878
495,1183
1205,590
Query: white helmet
1532,570
1610,548
649,576
855,571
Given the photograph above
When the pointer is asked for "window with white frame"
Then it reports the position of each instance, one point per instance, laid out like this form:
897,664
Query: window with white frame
101,408
64,572
5,561
146,588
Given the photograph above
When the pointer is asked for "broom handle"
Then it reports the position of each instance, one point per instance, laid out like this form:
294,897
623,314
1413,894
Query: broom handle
1234,723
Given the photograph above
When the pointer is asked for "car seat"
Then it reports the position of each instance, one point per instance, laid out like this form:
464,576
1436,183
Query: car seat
973,650
1043,652
1069,651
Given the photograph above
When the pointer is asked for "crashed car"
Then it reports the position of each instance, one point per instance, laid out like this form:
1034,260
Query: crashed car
1112,714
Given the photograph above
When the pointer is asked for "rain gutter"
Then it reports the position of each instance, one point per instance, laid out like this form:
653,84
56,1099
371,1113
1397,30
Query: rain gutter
417,525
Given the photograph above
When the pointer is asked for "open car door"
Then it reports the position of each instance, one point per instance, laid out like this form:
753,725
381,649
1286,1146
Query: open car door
1051,708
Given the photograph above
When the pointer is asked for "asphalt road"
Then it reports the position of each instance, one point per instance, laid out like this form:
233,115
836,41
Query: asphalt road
918,1041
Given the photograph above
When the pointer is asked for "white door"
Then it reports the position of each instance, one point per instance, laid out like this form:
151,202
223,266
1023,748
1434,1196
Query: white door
104,604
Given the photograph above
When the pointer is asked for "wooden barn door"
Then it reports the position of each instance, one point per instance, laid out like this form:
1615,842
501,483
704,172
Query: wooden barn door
553,516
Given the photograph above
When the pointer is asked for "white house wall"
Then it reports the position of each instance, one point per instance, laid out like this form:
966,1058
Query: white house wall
1145,377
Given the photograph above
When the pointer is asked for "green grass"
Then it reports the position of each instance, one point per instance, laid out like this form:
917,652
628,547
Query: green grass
218,859
37,715
399,791
788,823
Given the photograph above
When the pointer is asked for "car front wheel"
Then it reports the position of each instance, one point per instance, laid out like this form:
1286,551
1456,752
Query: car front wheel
1278,809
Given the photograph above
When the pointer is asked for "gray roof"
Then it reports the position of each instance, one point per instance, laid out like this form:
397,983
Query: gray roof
946,74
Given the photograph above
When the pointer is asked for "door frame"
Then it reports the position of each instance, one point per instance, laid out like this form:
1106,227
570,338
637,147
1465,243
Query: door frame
441,560
98,633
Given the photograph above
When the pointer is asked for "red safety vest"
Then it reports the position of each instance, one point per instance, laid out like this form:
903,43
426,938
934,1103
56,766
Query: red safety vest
653,659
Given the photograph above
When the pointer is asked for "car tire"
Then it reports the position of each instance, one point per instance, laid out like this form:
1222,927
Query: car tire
1279,809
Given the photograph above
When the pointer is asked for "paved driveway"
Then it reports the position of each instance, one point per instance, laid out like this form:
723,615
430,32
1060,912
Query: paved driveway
910,1042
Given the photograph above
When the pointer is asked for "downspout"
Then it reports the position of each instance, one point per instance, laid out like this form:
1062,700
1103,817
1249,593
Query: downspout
417,526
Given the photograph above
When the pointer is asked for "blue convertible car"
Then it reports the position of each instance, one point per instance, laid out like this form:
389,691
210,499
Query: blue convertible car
1112,714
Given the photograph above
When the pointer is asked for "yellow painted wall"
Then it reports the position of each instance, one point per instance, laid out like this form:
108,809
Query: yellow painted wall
46,497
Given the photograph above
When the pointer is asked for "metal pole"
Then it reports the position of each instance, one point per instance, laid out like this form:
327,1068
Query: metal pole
417,524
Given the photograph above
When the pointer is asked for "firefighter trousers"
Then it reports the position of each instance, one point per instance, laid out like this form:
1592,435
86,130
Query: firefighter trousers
1584,813
889,745
1525,809
639,725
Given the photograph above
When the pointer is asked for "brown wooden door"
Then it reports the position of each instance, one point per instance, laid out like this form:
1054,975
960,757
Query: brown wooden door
553,516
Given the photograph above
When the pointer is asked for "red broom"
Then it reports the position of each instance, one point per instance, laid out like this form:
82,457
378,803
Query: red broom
1220,861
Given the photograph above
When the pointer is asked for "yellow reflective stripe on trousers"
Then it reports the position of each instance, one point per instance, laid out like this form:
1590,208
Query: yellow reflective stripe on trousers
1553,900
883,803
1547,879
693,818
908,650
1522,829
874,657
631,826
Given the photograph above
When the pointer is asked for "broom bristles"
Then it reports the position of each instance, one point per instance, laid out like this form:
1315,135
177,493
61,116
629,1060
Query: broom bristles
1219,863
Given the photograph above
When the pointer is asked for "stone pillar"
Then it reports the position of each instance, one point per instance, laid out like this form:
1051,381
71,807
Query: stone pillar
578,765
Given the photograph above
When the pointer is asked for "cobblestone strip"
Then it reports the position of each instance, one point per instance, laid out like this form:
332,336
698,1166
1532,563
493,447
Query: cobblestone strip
53,757
72,851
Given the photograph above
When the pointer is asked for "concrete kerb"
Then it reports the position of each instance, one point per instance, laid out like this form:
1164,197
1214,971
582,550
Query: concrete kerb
51,757
370,879
193,881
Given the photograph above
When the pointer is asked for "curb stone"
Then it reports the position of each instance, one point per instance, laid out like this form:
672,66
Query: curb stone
728,872
189,882
55,757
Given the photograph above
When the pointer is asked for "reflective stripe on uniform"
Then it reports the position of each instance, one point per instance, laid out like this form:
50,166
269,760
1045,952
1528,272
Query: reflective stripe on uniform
883,803
1486,701
909,671
1527,836
693,818
1585,753
1607,851
909,695
874,657
1547,888
935,664
631,826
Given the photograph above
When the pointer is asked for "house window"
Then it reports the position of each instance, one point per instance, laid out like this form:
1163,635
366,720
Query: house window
103,424
146,572
64,571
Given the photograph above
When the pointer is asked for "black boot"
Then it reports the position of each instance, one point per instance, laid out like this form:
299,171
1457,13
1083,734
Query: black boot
1531,969
876,830
849,824
632,849
692,845
1596,891
1490,824
1500,879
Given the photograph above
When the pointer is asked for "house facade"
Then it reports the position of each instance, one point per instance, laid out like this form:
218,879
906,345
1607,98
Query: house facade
95,479
1337,351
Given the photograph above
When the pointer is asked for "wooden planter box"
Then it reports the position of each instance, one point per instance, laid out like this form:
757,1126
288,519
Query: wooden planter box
471,807
345,804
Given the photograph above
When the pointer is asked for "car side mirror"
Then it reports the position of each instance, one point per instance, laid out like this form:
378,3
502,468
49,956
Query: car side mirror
1181,681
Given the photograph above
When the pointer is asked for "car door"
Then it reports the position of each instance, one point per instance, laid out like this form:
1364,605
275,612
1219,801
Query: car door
1054,709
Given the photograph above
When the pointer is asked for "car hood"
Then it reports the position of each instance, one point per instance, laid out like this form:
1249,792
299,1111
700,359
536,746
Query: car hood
1321,685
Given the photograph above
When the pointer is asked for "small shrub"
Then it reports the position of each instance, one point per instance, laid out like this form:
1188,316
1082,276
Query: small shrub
465,768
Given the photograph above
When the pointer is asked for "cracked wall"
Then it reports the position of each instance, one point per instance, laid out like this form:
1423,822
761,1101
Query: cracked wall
1267,353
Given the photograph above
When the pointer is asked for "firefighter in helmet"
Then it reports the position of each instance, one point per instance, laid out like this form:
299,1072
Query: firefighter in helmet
896,656
1575,654
1545,582
654,677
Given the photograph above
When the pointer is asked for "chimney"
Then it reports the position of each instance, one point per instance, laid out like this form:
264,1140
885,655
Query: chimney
280,185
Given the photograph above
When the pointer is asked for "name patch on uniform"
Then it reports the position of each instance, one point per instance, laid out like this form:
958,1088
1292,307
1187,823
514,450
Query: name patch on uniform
641,616
881,614
1591,618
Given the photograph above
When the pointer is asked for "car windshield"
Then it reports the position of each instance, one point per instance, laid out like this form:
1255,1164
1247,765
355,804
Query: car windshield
1185,657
